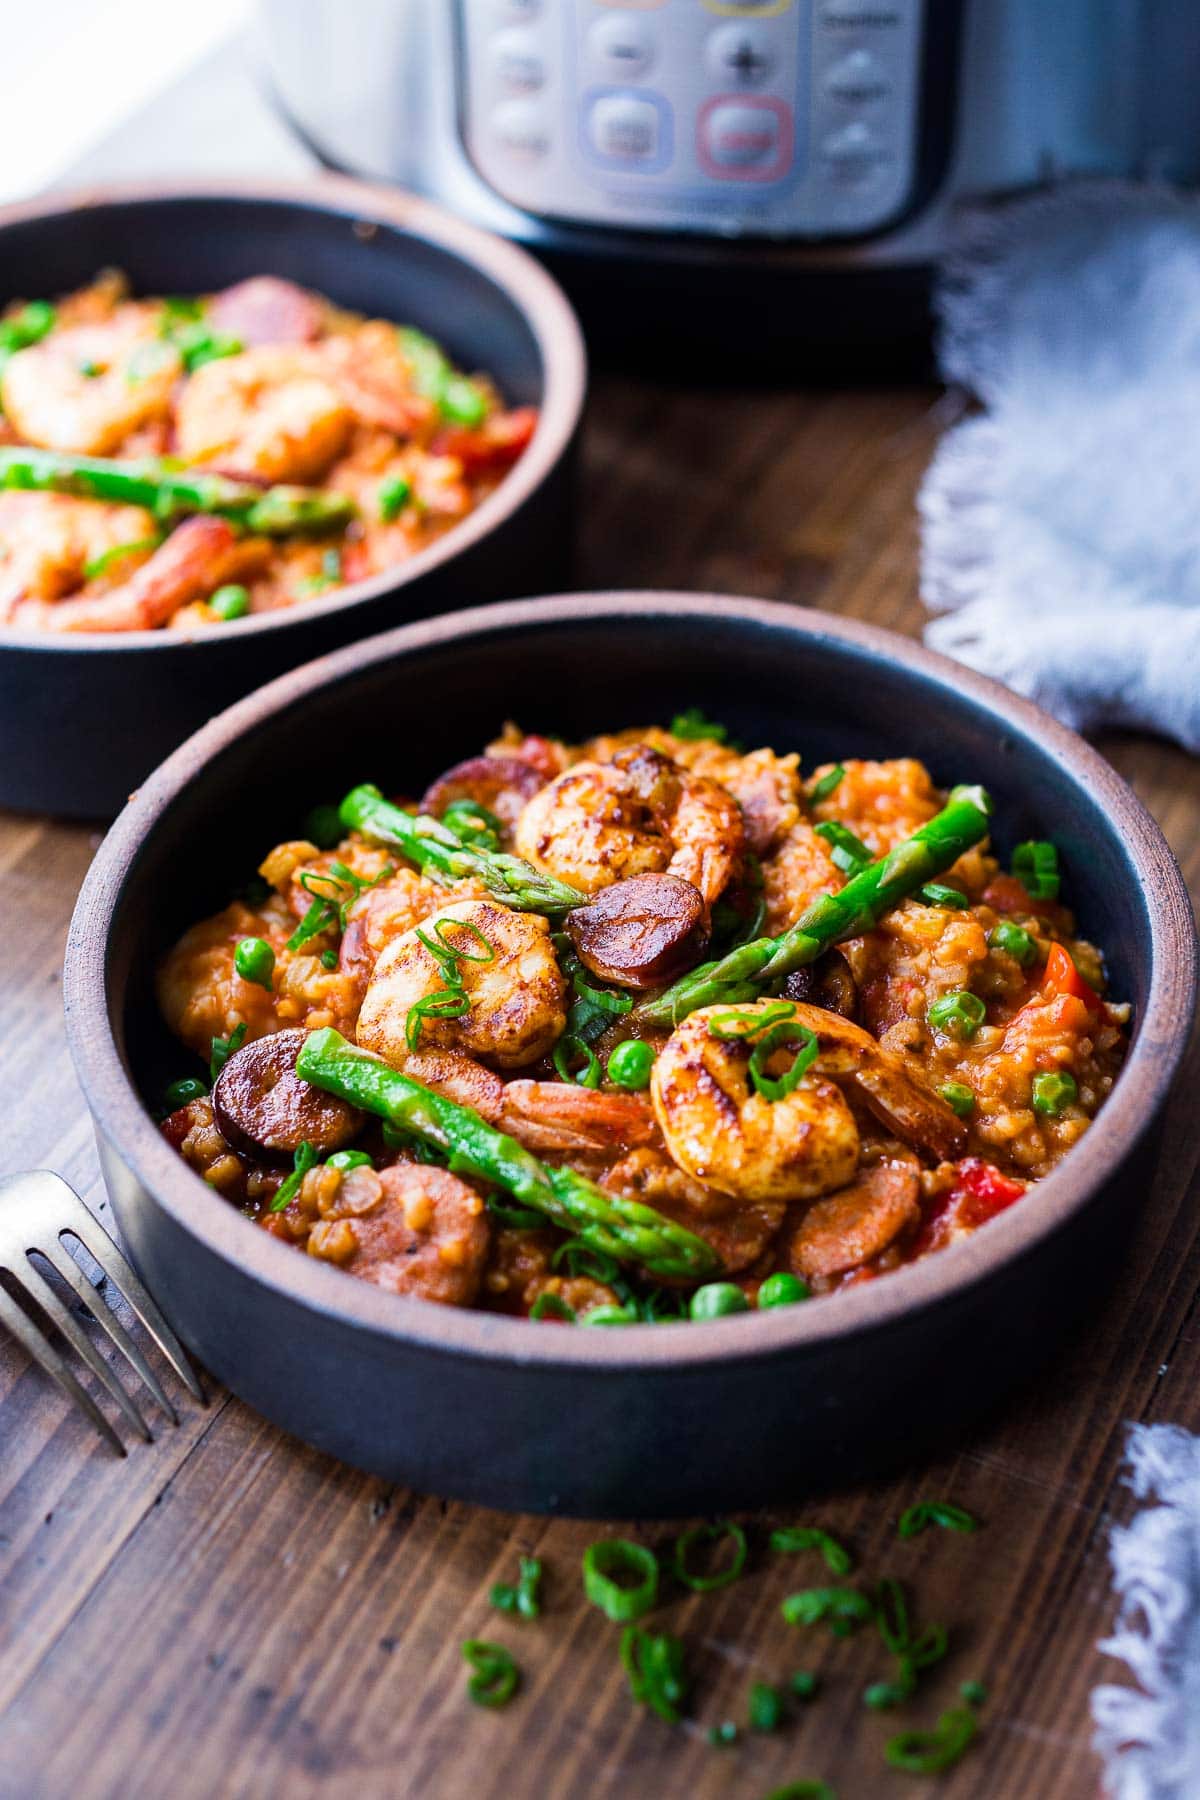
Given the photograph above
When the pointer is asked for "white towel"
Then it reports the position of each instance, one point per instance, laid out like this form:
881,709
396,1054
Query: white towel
1149,1736
1061,528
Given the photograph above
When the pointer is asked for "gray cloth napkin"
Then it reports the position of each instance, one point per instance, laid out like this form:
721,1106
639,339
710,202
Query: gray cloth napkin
1061,528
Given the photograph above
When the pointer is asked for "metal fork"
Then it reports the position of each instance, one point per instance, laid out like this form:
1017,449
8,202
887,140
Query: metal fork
39,1213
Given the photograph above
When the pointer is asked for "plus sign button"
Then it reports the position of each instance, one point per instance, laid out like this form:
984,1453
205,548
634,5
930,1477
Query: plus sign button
741,55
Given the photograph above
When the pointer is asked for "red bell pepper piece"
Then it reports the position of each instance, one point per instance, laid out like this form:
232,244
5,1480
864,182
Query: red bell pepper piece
1062,977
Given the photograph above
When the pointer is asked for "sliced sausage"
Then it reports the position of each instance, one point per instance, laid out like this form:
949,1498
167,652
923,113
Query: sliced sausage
828,982
640,932
263,1107
858,1222
426,1234
266,310
501,783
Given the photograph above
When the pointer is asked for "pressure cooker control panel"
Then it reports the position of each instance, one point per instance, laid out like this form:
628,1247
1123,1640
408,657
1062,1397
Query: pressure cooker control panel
780,117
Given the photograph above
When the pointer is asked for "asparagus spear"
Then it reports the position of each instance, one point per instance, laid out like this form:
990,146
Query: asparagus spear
168,493
622,1228
436,849
753,967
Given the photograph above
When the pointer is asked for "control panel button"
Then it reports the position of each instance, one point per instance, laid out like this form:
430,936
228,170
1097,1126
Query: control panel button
748,9
621,46
516,9
855,157
517,61
740,55
750,139
846,15
521,128
624,128
859,78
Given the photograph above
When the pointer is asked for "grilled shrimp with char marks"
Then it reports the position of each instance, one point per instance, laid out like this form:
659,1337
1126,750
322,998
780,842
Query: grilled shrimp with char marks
508,974
640,814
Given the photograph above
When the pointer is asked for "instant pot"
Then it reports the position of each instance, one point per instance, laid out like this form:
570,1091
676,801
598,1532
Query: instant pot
746,174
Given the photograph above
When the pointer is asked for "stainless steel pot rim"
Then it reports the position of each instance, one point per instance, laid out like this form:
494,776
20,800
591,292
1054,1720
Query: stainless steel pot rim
526,284
123,1121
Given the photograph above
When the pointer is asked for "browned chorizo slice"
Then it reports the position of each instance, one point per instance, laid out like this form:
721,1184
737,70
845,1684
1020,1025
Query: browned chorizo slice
640,932
858,1222
425,1234
501,783
266,310
264,1108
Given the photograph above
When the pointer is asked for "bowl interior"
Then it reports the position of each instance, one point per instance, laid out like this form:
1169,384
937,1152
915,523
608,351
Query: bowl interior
397,720
194,243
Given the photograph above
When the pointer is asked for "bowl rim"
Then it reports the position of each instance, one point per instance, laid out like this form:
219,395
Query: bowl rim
525,283
124,1122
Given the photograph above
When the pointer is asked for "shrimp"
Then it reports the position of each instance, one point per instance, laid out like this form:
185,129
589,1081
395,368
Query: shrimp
199,555
509,976
765,786
89,387
639,814
273,413
561,1118
739,1231
804,1144
201,995
47,541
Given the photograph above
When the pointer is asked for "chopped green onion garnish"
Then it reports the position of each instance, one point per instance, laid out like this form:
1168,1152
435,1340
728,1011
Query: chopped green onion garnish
803,1790
707,1534
774,1039
804,1684
345,1160
182,1092
936,893
583,1260
958,1097
692,724
766,1707
197,344
550,1306
843,1607
570,1046
637,1589
716,1300
826,785
305,1159
496,1676
1035,865
959,1013
973,1692
445,1004
791,1539
929,1752
782,1289
230,602
630,1065
254,961
847,852
29,326
523,1597
725,1733
118,553
612,1315
653,1661
223,1048
323,827
1053,1093
935,1512
1013,941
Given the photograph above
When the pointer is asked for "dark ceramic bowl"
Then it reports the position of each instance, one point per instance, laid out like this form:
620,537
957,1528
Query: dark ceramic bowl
84,718
645,1420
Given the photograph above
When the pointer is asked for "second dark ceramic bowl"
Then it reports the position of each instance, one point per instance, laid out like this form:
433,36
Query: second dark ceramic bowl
84,718
644,1420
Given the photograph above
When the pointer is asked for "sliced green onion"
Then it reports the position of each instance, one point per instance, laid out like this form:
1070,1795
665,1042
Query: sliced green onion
958,1097
182,1092
692,724
959,1012
708,1534
891,1616
725,1733
29,326
804,1684
882,1695
393,495
653,1661
521,1598
305,1159
515,1218
803,1790
323,826
629,1597
223,1048
496,1678
345,1160
254,961
444,1004
827,784
846,851
1013,941
766,1707
582,1260
630,1065
474,822
767,1045
782,1289
107,558
230,602
197,344
974,1693
569,1046
937,893
746,1022
550,1306
1053,1093
791,1539
716,1300
935,1512
929,1752
1035,865
844,1608
612,1315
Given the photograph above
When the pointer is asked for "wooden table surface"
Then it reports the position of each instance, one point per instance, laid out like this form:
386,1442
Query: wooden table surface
230,1613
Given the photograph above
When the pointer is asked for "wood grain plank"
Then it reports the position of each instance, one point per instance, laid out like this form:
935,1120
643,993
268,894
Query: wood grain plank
233,1614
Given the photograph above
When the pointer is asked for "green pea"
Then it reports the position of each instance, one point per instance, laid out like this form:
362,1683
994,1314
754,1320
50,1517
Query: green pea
716,1299
958,1097
230,602
254,961
630,1064
782,1289
394,494
345,1160
959,1012
323,827
611,1315
462,402
1014,941
1052,1094
181,1092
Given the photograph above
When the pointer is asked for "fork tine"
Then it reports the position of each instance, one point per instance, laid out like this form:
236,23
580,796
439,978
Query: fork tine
83,1345
44,1353
61,1260
72,1215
